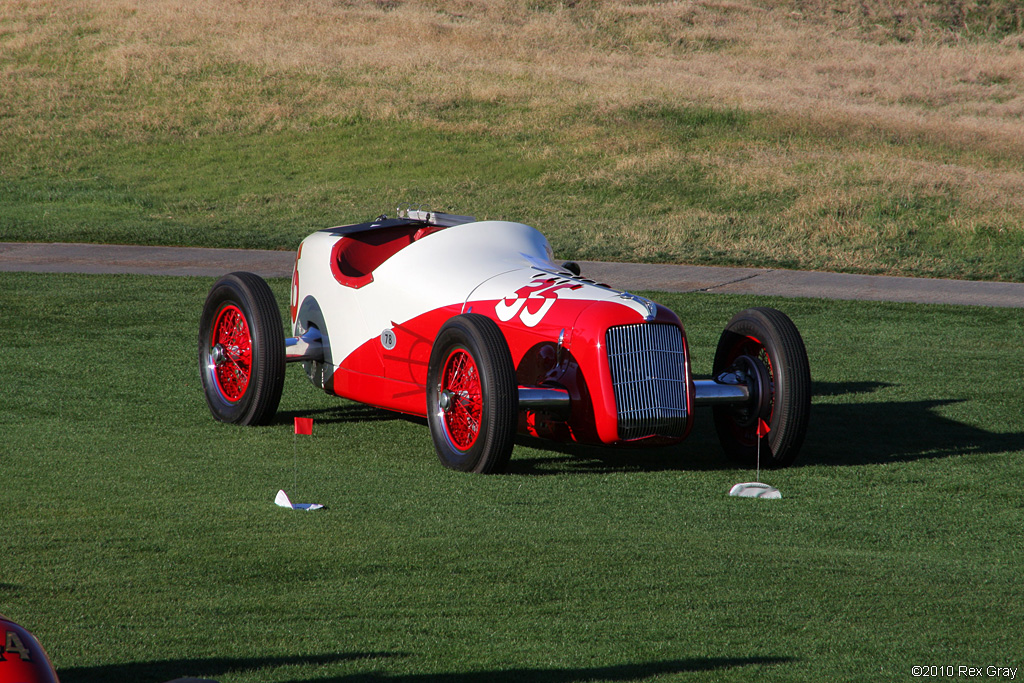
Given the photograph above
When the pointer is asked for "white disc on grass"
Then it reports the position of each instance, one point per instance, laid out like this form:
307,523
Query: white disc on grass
283,500
755,489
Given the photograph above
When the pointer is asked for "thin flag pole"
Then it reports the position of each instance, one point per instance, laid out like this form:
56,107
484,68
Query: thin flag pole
757,472
303,425
762,431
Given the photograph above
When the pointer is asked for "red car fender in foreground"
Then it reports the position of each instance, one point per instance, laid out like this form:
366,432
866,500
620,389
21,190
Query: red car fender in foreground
22,658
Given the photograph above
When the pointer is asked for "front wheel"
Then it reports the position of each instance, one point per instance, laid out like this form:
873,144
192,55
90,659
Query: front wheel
472,397
241,350
763,346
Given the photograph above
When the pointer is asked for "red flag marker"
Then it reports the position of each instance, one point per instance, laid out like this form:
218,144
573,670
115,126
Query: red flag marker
304,425
762,428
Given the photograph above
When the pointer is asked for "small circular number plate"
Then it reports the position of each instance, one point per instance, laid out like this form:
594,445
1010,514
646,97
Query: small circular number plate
388,339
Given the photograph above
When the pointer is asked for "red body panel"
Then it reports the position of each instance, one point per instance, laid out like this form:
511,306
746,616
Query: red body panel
22,658
581,367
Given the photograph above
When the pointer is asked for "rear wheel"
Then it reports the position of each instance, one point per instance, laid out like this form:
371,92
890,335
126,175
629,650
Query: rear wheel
241,350
472,401
763,346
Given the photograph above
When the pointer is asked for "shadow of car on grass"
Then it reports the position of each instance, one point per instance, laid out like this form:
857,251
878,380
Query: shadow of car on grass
156,672
839,434
346,412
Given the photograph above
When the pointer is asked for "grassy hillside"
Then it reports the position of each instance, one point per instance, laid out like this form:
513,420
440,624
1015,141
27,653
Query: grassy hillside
866,136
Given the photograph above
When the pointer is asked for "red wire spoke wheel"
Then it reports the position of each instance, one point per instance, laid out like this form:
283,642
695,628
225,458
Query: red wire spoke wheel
763,346
472,395
241,350
233,346
460,384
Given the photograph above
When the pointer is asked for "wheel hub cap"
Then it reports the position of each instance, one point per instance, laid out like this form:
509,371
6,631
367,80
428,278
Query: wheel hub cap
754,374
218,355
446,400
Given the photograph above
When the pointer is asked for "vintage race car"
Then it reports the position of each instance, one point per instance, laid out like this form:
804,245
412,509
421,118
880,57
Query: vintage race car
474,326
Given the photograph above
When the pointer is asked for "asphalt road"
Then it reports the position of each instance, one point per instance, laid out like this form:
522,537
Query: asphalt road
108,259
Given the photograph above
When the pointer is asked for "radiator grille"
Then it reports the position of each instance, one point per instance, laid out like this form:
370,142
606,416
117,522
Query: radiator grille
648,368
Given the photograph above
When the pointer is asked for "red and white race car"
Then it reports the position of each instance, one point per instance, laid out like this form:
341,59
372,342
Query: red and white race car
474,326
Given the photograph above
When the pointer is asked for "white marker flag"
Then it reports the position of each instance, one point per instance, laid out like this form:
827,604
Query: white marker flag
283,500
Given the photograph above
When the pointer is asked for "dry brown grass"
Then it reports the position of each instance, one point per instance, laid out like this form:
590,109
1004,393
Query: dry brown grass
874,76
820,66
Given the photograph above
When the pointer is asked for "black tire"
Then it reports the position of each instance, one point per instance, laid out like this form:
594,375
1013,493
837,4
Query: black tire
472,395
765,344
241,350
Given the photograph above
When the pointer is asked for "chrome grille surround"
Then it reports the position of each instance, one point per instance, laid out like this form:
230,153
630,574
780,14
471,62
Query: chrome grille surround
649,377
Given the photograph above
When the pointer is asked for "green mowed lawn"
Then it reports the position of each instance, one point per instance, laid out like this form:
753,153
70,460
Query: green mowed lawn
140,541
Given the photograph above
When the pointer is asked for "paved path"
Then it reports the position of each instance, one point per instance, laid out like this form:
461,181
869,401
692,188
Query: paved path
95,258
